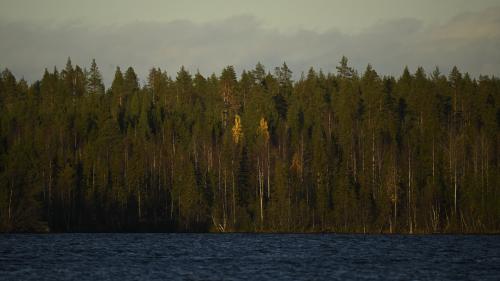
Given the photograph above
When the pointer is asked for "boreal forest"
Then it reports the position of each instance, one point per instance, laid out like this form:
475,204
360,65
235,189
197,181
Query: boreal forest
257,151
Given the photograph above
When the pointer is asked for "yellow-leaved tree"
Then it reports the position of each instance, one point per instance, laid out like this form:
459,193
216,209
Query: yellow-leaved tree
237,129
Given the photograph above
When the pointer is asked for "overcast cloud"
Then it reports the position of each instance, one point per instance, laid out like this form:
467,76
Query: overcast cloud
469,40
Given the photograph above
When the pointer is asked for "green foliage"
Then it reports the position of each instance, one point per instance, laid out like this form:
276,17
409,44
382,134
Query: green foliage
95,85
330,152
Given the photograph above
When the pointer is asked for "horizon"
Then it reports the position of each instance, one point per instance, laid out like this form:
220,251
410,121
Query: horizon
209,36
269,70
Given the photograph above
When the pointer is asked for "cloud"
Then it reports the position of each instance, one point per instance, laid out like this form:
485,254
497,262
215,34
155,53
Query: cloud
471,41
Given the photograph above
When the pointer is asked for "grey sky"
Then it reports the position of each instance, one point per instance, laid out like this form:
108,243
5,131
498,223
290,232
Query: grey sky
207,35
286,15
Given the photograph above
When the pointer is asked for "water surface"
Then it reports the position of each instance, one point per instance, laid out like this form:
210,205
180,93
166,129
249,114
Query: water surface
248,257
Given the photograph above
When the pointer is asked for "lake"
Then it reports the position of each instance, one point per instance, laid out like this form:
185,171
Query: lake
248,257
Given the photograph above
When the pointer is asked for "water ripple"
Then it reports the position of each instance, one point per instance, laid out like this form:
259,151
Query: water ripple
248,257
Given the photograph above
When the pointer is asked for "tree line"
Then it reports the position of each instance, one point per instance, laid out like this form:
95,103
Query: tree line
332,152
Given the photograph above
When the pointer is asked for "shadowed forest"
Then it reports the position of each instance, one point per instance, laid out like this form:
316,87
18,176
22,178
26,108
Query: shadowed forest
256,152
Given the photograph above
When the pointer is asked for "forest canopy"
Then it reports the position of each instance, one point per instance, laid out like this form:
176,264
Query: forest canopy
258,152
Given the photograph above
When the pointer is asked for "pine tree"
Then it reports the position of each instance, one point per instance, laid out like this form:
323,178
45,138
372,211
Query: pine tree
95,84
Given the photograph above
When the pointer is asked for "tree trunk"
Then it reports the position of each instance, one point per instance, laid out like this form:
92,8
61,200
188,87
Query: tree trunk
49,215
395,197
10,202
225,200
410,220
261,192
139,203
455,187
433,163
268,174
234,199
373,161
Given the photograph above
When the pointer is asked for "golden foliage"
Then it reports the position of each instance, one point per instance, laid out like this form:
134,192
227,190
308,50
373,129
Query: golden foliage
263,129
237,129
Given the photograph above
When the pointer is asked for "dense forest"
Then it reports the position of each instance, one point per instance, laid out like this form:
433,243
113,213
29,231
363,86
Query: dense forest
333,152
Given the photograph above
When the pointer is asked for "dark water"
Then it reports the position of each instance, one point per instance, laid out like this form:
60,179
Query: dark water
248,257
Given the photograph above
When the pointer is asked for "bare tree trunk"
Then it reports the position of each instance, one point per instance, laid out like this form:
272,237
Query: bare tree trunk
390,225
302,157
373,161
362,148
455,187
234,199
50,191
433,162
452,177
289,205
224,202
10,201
353,156
139,204
410,220
268,174
171,206
482,169
395,197
261,192
172,165
487,168
330,124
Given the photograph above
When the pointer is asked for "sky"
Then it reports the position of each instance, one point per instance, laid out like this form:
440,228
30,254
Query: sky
206,36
